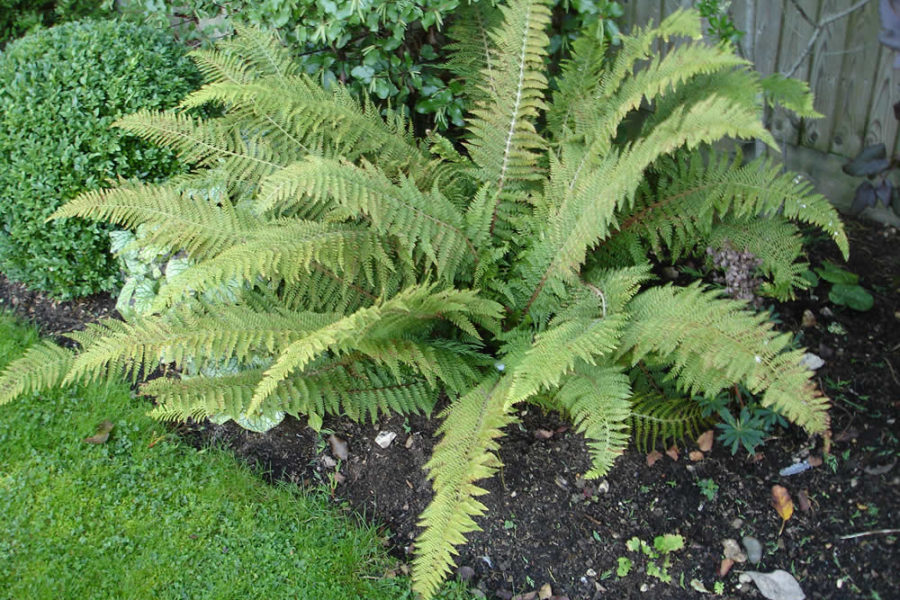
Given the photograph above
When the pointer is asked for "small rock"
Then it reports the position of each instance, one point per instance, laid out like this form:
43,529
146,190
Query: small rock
809,319
591,573
737,523
409,442
811,361
561,482
338,447
803,500
329,462
826,312
754,549
603,487
384,438
545,592
670,273
732,551
644,587
465,573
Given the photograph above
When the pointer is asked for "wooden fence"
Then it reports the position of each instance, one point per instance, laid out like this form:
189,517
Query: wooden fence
849,71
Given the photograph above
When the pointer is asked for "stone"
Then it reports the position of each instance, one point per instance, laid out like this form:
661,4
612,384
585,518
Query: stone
384,438
754,549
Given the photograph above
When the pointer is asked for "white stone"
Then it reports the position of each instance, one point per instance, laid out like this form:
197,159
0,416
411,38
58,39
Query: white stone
384,438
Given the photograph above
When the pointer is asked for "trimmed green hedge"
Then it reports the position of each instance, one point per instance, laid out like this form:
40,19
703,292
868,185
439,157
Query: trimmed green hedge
60,91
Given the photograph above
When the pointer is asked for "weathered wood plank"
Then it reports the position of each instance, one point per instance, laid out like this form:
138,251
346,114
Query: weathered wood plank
828,59
856,83
795,33
881,126
767,32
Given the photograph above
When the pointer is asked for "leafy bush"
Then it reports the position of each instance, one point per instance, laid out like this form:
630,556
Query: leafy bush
393,51
60,90
19,16
380,270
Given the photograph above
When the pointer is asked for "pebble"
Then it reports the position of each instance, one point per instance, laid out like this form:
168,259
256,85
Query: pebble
754,549
329,462
466,573
603,487
737,523
384,438
591,573
644,587
733,551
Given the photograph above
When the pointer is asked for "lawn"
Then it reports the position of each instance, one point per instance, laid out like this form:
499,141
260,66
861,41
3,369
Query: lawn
145,516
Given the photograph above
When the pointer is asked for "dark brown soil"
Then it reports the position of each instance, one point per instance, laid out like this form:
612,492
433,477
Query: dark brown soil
546,525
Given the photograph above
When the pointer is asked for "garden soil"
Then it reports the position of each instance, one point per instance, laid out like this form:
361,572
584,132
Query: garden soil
546,525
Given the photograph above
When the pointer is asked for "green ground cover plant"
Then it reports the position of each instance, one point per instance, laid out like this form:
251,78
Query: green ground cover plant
60,90
342,265
144,516
17,17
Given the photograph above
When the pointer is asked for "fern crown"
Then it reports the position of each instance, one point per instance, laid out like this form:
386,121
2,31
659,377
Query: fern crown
341,265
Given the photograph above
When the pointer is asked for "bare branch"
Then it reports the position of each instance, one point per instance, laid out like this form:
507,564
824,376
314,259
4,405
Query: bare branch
825,22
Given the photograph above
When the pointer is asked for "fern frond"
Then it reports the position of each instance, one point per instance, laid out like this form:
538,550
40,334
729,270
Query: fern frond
712,343
336,387
205,143
465,454
390,320
560,347
424,221
286,251
597,400
793,94
471,55
43,366
174,218
503,141
581,74
694,192
584,219
664,420
112,347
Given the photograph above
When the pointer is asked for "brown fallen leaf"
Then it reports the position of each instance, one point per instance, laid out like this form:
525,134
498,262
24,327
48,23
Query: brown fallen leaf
653,457
672,452
543,434
339,447
705,441
695,455
784,506
814,461
803,500
102,434
725,566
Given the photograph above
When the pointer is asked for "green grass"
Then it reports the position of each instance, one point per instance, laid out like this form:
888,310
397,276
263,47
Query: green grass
144,516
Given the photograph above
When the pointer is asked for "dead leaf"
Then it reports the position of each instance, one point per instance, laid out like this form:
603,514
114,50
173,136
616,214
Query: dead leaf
725,566
695,455
672,453
653,457
705,441
777,585
339,447
784,506
543,434
803,500
814,461
545,592
732,550
102,434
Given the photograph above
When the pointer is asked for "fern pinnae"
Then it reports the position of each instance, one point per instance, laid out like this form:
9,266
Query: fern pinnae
664,420
44,365
465,454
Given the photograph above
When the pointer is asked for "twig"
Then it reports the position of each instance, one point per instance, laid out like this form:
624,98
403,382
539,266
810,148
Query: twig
803,13
825,22
873,532
893,373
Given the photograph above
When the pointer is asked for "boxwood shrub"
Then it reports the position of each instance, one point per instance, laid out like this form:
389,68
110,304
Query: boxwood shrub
60,91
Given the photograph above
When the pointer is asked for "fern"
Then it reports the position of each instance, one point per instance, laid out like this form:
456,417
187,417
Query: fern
340,265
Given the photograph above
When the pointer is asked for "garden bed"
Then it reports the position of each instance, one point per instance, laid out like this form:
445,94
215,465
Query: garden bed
547,526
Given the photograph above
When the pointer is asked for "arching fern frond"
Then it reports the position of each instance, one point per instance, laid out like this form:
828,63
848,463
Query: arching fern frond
175,218
43,366
465,454
658,420
712,343
597,400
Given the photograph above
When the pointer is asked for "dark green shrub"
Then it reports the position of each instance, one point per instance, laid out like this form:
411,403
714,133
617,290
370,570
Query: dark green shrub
60,90
19,16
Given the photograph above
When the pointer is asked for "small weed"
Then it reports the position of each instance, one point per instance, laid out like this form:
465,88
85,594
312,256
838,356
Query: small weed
624,567
663,547
708,488
832,462
719,588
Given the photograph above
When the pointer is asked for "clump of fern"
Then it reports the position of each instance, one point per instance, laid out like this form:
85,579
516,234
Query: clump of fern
370,271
